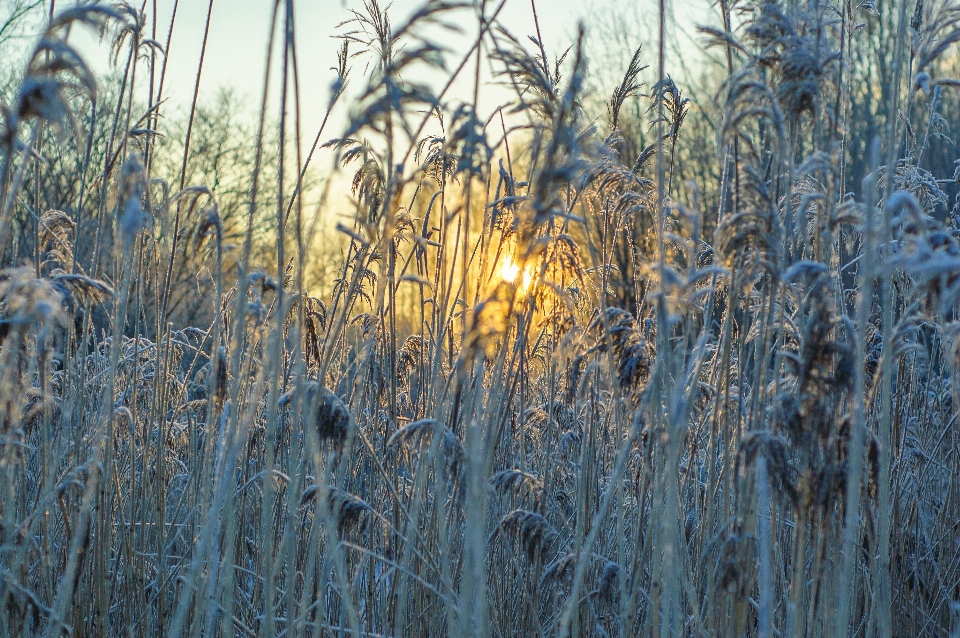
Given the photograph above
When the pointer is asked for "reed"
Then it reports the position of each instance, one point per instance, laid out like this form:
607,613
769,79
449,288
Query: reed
672,362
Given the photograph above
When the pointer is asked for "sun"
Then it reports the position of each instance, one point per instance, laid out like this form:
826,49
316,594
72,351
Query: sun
511,271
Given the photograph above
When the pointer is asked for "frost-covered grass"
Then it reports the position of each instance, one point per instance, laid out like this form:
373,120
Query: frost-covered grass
530,382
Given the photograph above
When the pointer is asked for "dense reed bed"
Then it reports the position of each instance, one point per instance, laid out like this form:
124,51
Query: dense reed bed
676,368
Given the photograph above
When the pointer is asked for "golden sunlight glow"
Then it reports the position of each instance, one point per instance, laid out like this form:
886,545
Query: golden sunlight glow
527,279
510,270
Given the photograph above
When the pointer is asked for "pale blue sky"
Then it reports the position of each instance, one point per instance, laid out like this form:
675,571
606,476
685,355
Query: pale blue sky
238,35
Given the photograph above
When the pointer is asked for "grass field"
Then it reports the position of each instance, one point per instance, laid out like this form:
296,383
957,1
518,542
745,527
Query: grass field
640,358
